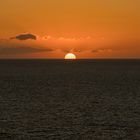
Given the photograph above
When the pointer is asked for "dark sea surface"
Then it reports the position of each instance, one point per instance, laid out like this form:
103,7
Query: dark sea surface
69,100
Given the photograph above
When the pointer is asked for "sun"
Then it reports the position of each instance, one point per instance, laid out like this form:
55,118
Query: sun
70,56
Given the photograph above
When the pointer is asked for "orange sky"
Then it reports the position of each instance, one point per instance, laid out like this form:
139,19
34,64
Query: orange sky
88,28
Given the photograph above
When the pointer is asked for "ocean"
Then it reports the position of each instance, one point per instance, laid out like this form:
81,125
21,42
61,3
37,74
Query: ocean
70,99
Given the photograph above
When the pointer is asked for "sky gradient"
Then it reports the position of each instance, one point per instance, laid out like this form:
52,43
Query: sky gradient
87,28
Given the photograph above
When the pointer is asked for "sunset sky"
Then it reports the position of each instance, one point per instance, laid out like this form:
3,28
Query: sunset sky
87,28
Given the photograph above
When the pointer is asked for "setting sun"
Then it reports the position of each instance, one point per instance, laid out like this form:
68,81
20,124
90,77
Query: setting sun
70,56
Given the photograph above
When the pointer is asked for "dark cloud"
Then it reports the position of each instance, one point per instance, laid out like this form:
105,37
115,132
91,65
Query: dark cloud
24,37
8,47
22,50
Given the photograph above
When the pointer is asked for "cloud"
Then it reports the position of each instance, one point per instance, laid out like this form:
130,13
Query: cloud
101,50
21,50
65,50
24,37
10,47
